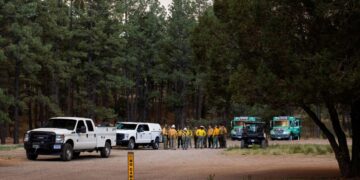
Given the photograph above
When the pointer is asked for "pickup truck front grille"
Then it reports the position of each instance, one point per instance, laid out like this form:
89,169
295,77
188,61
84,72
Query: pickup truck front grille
120,136
42,137
279,131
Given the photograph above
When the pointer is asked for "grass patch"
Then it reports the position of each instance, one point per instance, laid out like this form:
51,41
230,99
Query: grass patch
10,147
283,149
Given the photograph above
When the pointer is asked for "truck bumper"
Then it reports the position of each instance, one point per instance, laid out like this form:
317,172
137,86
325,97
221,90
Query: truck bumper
236,137
44,149
280,136
122,142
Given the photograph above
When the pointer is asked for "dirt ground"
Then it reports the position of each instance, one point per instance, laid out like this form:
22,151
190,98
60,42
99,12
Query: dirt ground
171,164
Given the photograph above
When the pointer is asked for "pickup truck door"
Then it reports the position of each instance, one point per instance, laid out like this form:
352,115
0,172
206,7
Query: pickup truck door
91,135
81,139
147,133
140,134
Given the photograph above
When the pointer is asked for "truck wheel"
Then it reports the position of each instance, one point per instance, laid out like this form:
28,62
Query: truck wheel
242,144
76,155
67,152
155,144
31,156
105,151
131,144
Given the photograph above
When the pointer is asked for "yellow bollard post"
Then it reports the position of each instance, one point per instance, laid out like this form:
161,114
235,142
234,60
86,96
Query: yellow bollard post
131,165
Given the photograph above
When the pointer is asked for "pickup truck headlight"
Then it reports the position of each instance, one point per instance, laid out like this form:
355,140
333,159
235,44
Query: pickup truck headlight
59,138
26,137
286,132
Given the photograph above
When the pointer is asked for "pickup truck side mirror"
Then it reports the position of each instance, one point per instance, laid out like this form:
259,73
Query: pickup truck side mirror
82,129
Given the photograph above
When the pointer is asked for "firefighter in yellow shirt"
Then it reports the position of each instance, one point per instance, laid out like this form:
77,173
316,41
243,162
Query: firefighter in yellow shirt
222,136
200,134
179,137
216,137
195,137
189,135
184,139
172,136
165,136
210,132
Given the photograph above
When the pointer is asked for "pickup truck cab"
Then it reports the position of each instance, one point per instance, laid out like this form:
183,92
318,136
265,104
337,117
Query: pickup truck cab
237,125
285,127
68,137
133,134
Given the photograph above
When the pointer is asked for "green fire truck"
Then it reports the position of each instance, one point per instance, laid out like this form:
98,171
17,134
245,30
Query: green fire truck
237,125
285,127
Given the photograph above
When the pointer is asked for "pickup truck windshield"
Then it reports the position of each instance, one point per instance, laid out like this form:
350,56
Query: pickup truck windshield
61,123
281,123
126,126
238,123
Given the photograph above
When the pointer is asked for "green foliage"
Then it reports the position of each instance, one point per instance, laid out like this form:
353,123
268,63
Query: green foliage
9,147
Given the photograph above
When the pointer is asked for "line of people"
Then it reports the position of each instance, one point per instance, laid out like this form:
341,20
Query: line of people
203,138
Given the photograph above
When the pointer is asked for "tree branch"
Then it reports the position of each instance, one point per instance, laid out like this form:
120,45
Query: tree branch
322,126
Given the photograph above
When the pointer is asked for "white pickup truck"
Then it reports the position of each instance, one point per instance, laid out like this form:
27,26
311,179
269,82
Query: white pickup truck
133,134
68,137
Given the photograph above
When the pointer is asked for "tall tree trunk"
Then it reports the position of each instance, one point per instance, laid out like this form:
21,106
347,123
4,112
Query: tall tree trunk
16,108
355,124
3,133
341,157
30,120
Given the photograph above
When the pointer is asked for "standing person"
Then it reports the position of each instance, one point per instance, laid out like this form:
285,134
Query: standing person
184,144
189,133
195,137
172,136
205,138
200,133
210,132
222,136
165,136
179,136
216,137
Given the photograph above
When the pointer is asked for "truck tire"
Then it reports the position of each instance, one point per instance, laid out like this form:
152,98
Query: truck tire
155,144
242,144
31,155
105,151
76,155
131,144
67,152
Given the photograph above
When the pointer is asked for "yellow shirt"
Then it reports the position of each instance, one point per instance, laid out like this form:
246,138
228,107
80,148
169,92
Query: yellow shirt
172,132
216,132
179,133
189,133
210,131
164,131
223,130
200,132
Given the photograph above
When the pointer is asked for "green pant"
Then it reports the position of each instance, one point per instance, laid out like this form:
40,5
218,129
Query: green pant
165,141
216,142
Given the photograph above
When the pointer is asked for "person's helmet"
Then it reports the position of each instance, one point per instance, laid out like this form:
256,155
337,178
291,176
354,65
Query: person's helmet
185,129
173,126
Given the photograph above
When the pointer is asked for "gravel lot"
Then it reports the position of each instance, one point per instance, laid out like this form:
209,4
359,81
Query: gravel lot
171,164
